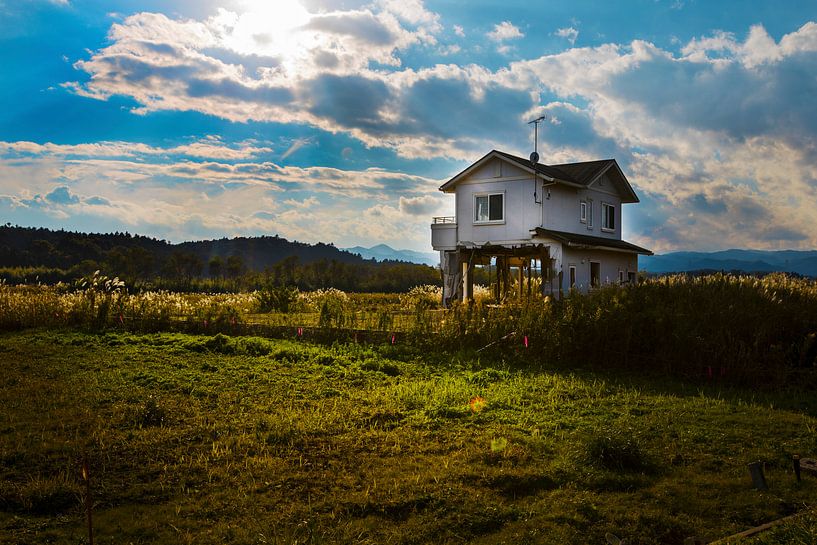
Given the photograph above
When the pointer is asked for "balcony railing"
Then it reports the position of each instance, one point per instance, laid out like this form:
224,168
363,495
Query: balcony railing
437,220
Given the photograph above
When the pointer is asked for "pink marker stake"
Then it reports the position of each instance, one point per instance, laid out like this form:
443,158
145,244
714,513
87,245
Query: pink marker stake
393,339
300,331
526,341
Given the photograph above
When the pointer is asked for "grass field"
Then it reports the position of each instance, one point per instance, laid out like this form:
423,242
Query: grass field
243,440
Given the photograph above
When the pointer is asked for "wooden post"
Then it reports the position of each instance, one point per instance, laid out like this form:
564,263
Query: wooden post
521,282
498,290
530,267
758,480
465,282
89,504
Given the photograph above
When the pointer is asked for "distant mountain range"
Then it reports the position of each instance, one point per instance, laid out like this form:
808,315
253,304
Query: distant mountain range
21,246
382,252
750,261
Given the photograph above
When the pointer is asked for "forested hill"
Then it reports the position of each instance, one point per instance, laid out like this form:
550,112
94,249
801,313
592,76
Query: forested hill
138,258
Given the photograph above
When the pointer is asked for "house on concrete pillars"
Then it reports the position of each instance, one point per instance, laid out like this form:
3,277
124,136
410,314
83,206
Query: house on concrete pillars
532,229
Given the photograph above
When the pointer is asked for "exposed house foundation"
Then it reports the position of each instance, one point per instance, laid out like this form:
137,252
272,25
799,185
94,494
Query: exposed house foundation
513,273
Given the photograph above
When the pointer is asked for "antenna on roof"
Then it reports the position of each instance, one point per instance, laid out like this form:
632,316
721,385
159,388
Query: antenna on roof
534,157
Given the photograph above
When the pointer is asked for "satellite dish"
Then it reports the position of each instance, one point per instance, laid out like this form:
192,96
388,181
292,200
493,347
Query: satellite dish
534,158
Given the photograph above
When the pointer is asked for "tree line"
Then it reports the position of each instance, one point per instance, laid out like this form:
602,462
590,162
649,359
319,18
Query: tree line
42,255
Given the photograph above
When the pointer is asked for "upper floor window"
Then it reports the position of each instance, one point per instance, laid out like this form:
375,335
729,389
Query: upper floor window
489,208
608,216
583,212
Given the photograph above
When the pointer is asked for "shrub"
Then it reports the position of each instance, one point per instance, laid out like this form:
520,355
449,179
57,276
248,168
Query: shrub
332,305
279,299
48,495
150,414
422,297
615,451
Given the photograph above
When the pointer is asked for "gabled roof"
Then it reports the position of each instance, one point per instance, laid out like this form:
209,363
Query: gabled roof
578,240
580,175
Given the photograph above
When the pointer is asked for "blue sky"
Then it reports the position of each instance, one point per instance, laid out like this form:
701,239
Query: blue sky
336,121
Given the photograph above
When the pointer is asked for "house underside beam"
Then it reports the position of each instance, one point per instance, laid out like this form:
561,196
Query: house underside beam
506,258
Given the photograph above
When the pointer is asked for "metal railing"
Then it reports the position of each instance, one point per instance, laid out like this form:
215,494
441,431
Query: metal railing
438,220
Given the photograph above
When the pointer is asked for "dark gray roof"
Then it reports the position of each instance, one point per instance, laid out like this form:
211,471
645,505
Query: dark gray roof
575,239
576,173
580,174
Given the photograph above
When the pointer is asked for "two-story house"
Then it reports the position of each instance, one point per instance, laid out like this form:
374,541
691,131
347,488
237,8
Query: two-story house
559,224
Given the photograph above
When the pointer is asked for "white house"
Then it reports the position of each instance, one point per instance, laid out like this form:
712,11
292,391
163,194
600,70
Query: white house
557,223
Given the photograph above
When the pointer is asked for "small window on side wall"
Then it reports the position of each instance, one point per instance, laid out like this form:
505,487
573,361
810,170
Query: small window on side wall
608,217
489,208
583,212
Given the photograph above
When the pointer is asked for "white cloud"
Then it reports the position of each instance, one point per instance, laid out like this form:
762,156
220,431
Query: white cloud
297,144
210,148
569,33
689,129
505,31
414,12
459,31
195,199
424,205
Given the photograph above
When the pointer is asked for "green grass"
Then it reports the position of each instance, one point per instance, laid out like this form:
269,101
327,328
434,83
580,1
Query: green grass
245,440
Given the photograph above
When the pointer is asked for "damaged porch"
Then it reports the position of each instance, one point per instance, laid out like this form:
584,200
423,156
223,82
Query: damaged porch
512,273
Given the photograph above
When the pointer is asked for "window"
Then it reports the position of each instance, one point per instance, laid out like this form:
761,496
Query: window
589,214
572,276
608,216
595,274
620,277
489,208
583,212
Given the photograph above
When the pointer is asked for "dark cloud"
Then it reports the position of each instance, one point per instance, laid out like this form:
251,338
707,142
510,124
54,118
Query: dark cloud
699,202
351,101
250,62
771,99
326,59
165,49
783,234
359,24
97,201
449,108
134,70
62,195
234,90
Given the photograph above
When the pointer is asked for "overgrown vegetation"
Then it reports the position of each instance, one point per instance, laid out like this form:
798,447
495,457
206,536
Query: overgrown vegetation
224,439
717,328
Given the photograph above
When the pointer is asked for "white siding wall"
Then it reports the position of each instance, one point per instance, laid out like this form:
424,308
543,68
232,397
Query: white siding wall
610,265
560,212
521,212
